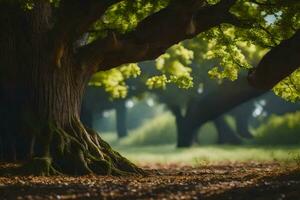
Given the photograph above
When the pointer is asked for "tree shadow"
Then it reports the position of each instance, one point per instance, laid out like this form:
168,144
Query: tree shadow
282,187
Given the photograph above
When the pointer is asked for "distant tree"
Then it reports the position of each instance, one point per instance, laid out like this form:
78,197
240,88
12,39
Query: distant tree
242,116
97,101
51,48
190,62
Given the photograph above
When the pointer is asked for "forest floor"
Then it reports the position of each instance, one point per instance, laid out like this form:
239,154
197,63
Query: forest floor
231,180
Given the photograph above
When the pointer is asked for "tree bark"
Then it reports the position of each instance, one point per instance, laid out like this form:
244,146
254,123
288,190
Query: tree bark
121,119
277,64
41,125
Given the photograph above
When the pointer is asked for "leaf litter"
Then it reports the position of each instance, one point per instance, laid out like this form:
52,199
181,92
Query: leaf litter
251,180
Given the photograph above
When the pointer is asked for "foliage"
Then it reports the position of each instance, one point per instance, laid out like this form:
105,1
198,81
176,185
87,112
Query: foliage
113,80
174,65
261,24
124,16
226,49
157,82
160,130
175,60
289,88
207,134
280,130
142,111
233,48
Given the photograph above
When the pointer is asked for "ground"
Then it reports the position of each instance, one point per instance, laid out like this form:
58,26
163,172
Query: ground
251,180
208,172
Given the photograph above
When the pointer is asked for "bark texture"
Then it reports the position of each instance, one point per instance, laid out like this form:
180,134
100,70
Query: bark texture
41,96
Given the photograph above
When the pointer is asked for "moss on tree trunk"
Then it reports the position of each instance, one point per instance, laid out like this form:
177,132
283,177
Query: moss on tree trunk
41,95
77,150
50,137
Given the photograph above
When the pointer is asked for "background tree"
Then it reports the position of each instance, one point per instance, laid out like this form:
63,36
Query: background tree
181,62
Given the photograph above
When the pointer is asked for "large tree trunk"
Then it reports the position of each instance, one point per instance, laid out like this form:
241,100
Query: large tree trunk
226,97
40,120
121,119
185,135
223,99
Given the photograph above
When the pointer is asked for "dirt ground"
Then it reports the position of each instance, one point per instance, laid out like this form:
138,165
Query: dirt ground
221,181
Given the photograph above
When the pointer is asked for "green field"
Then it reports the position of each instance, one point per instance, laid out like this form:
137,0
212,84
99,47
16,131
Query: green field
206,154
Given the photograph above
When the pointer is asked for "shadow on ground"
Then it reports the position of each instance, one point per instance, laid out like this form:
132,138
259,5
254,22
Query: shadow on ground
223,181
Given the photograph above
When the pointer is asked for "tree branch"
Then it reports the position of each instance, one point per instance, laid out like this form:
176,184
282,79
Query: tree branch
154,35
274,4
74,18
277,64
221,100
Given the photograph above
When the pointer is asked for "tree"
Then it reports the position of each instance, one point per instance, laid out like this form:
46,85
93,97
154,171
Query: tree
50,49
242,115
226,134
98,99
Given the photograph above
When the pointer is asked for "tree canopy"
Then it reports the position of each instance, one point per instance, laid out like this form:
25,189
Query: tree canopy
256,26
110,33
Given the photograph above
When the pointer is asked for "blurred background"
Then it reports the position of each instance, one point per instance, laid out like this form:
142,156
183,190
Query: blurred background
200,112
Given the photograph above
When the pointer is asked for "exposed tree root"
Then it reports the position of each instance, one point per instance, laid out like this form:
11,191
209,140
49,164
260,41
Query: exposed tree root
75,150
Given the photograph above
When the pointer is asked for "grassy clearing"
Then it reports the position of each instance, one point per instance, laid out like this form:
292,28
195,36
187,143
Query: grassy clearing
276,140
198,155
280,130
161,130
210,154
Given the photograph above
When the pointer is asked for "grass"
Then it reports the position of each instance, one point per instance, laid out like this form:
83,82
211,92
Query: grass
280,130
210,154
159,130
197,155
275,140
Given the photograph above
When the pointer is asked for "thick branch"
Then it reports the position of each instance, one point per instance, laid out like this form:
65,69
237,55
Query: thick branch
275,4
179,21
75,18
221,100
277,64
